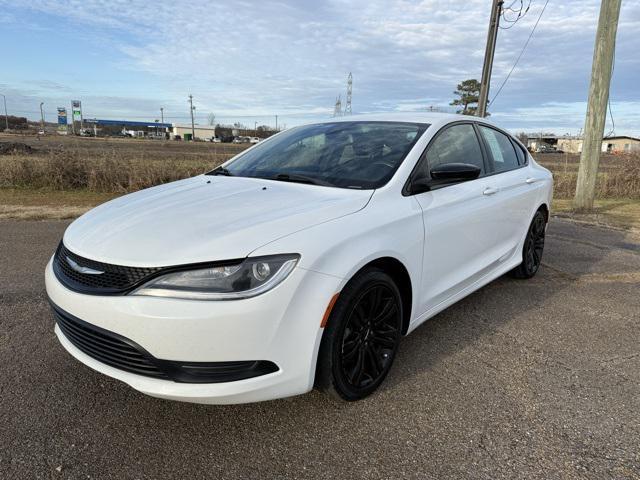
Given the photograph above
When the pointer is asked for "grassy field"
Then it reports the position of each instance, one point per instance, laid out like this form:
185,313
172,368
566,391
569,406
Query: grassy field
60,177
107,165
618,175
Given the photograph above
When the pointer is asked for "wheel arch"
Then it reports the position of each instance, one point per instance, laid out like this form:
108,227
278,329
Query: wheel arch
400,275
544,208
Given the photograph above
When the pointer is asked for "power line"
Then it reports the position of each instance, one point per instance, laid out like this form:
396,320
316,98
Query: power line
520,13
521,53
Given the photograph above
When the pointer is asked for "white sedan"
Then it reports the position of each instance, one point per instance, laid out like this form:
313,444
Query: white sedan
302,261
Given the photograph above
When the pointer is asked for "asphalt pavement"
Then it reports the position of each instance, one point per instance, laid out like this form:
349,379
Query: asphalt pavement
522,379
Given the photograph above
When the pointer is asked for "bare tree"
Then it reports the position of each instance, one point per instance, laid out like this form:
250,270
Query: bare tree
523,137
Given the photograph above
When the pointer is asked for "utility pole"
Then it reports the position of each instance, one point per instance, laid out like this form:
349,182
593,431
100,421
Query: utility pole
276,123
42,116
193,127
6,117
73,120
255,129
485,82
601,71
164,137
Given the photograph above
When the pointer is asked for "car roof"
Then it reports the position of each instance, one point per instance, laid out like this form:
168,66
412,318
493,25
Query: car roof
418,117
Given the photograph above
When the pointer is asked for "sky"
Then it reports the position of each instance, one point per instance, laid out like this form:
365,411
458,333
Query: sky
248,61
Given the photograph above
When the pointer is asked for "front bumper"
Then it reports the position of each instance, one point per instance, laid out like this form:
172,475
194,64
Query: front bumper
281,326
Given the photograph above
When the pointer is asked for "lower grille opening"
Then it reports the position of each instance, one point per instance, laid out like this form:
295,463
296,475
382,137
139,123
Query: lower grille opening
124,354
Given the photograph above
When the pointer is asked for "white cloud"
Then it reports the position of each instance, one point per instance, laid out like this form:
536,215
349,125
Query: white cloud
292,57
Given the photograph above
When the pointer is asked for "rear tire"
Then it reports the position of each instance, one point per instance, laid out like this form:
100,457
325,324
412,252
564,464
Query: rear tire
533,248
361,338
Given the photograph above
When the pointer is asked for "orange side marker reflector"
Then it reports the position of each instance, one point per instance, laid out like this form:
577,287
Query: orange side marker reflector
327,312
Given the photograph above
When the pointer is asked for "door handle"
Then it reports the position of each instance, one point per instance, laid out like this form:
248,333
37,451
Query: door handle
490,191
531,180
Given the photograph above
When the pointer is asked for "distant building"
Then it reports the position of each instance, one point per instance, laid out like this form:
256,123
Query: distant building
547,143
202,132
621,144
571,144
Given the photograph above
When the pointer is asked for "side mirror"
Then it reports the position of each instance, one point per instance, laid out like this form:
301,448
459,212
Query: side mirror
455,172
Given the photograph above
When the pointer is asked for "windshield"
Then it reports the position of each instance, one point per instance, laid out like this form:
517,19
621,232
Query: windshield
361,155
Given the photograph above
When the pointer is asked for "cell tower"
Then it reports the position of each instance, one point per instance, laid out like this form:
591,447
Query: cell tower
337,110
347,107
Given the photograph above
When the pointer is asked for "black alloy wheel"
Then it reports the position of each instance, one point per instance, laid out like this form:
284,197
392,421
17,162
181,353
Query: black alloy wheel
370,336
362,336
533,247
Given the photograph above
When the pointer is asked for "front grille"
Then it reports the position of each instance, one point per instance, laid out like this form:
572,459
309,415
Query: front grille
114,279
120,352
107,347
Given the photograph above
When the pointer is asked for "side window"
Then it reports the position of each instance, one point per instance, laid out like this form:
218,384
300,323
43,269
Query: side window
522,157
456,144
502,152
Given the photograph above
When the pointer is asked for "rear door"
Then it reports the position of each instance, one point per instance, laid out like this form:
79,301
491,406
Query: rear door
462,243
515,196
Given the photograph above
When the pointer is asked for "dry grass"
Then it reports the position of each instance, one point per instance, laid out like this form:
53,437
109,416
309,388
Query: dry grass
109,165
621,213
125,165
101,173
618,175
63,177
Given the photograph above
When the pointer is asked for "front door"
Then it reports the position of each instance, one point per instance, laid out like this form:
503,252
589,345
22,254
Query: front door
461,242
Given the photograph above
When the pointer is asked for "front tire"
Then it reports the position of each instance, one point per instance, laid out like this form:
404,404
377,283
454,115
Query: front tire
361,338
533,248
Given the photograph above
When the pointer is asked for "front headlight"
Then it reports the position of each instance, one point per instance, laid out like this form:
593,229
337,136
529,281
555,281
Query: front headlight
248,278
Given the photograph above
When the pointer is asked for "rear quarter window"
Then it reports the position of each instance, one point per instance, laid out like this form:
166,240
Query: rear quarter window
520,153
502,151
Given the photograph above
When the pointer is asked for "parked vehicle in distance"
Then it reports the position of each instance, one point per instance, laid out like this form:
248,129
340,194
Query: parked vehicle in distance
215,140
302,261
546,149
245,139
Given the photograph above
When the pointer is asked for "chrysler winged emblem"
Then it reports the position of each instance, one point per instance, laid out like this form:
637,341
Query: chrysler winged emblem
81,269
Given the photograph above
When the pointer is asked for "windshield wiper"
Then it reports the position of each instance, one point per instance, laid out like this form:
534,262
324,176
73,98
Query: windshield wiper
291,177
220,171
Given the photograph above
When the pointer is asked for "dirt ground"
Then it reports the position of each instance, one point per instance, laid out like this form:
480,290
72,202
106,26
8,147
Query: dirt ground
536,379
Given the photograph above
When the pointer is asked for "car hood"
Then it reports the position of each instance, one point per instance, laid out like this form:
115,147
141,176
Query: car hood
204,219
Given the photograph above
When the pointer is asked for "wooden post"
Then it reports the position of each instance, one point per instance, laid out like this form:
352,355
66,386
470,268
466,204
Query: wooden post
597,105
485,82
